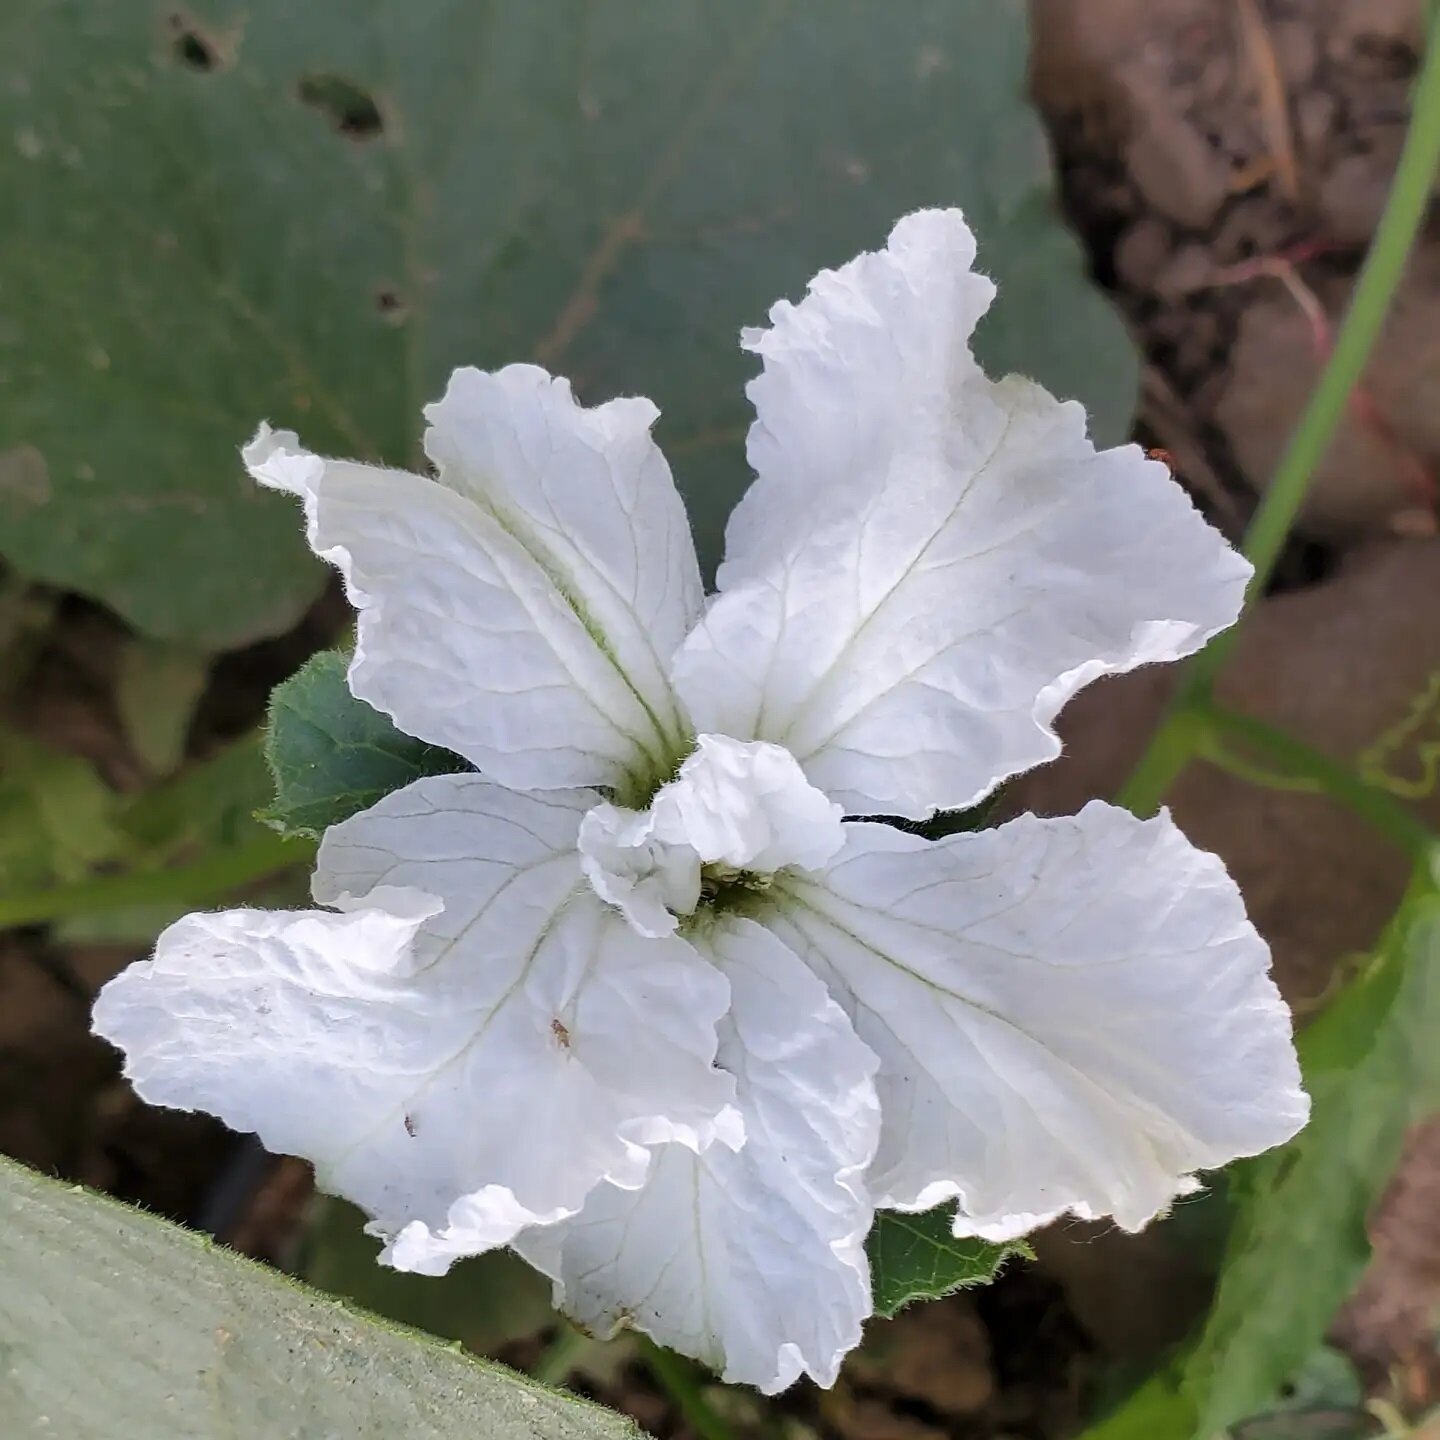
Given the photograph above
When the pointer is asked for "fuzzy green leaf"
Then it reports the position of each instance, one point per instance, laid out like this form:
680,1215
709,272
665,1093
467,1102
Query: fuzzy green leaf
915,1257
333,755
115,1325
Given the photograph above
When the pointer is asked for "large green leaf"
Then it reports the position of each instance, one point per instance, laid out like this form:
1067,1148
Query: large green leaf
236,209
332,755
117,1326
916,1257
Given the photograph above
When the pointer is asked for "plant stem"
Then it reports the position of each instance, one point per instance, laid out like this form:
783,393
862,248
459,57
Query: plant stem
677,1379
1332,777
1380,276
1171,749
1174,743
208,878
558,1362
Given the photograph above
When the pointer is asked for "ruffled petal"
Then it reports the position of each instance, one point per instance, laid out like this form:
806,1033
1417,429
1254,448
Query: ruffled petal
589,492
467,1047
747,805
930,563
521,609
751,1261
1071,1015
742,805
649,882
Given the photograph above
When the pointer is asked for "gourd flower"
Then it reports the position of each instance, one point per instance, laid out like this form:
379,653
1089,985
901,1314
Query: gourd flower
652,995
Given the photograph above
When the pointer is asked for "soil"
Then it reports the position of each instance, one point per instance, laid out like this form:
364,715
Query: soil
1225,162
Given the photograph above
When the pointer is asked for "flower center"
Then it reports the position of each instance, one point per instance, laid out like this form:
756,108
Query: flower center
736,812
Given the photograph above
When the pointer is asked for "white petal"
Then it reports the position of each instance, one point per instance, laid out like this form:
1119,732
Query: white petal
588,489
752,1261
485,1220
1071,1015
930,563
650,882
519,609
747,804
740,804
512,1047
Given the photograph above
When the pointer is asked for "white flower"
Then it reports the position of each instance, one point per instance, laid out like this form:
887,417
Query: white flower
632,998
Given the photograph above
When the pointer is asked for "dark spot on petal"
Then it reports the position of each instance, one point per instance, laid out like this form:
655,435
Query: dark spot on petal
410,1126
351,110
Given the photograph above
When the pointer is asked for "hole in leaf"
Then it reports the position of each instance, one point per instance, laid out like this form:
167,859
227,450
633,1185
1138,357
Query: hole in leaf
190,46
390,305
351,110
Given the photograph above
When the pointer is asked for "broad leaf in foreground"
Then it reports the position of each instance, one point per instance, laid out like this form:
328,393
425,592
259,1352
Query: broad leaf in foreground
333,755
116,1324
246,208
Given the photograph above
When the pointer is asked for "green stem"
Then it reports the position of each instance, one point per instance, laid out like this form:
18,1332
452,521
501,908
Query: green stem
209,878
677,1378
558,1362
1171,749
1379,278
1335,779
1174,743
